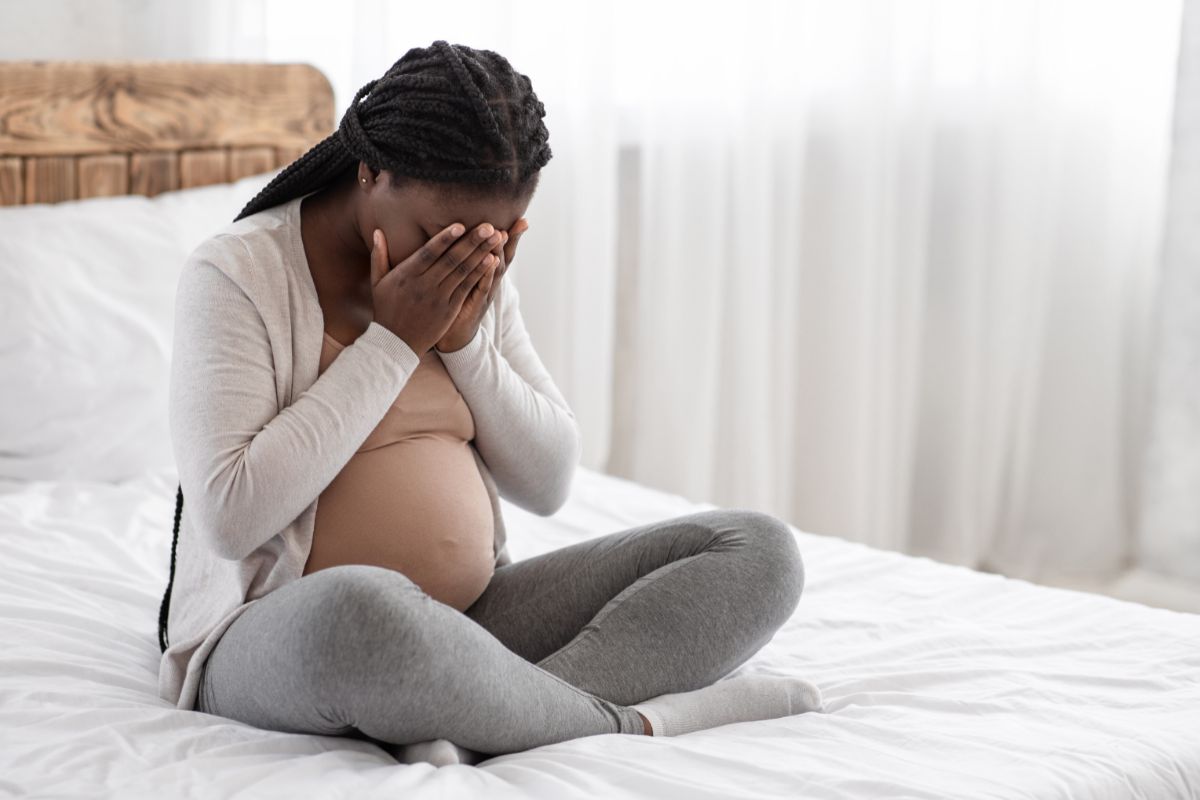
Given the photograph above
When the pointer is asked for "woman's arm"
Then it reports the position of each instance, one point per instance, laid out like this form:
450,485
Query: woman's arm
524,430
247,467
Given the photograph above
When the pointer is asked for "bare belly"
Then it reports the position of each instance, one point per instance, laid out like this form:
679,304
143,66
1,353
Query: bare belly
411,499
418,506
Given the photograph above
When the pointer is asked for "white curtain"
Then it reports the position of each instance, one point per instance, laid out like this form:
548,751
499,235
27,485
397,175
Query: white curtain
1169,524
883,269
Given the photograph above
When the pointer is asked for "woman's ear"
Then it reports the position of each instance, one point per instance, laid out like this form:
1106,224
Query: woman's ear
366,176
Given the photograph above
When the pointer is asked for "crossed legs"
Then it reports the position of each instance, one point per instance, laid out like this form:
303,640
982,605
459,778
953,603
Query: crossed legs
557,647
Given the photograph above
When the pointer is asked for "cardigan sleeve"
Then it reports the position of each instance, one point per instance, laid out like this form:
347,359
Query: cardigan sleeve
524,430
247,467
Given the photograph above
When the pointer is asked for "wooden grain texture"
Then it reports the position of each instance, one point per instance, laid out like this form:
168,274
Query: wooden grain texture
49,180
77,108
12,192
286,155
246,161
66,126
153,173
103,176
203,167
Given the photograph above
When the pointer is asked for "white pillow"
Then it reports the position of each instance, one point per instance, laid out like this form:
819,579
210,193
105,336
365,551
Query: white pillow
87,297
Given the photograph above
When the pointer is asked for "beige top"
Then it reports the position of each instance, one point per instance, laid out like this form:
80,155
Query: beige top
411,498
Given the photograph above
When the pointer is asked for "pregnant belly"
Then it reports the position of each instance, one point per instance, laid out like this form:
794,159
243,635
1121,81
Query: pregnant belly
418,506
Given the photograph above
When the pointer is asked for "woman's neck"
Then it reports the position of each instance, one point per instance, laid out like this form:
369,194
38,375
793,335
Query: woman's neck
331,238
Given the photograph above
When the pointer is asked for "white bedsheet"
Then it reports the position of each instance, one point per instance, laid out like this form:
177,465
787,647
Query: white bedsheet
940,681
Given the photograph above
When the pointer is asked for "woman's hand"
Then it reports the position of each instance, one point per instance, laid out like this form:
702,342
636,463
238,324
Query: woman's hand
464,327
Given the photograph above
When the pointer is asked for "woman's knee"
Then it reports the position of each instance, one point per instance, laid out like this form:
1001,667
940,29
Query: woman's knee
779,566
355,608
355,588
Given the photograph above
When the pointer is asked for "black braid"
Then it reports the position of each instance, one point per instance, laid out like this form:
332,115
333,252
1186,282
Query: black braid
165,606
448,114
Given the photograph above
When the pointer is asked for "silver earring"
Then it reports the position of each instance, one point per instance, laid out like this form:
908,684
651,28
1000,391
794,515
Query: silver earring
364,180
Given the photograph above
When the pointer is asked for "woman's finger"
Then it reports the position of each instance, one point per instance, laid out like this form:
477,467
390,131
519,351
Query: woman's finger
429,253
379,257
497,274
467,256
515,234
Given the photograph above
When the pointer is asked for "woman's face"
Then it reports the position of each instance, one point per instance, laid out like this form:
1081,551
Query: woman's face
413,213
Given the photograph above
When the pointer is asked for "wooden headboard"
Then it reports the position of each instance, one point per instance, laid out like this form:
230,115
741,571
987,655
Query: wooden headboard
75,129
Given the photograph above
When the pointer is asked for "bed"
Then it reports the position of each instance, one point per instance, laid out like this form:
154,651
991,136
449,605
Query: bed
939,681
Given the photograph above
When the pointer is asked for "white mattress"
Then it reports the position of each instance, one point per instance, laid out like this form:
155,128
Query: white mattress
940,681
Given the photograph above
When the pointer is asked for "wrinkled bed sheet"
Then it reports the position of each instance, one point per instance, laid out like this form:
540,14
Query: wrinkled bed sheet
939,681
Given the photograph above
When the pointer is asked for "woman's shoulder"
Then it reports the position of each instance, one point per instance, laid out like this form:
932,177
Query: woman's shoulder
269,227
249,248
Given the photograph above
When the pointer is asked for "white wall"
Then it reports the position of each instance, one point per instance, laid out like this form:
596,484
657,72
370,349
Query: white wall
99,29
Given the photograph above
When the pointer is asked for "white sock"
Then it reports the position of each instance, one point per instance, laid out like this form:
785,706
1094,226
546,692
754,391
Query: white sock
439,752
741,699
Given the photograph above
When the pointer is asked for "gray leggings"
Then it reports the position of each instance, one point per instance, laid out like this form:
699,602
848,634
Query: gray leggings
557,647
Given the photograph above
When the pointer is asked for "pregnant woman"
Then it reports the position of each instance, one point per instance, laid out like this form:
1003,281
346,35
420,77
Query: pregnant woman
352,391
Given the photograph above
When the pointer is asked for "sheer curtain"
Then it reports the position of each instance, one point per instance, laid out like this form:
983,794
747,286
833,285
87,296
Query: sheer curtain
1169,524
883,269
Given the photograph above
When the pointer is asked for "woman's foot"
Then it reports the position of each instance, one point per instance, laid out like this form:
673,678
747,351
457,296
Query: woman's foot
741,699
439,752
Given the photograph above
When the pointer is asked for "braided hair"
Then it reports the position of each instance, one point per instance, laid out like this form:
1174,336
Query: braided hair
447,114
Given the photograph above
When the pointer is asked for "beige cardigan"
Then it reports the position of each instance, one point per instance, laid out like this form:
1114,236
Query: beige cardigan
257,435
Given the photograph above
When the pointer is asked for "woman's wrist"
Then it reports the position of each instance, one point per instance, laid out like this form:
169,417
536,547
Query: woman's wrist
454,347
